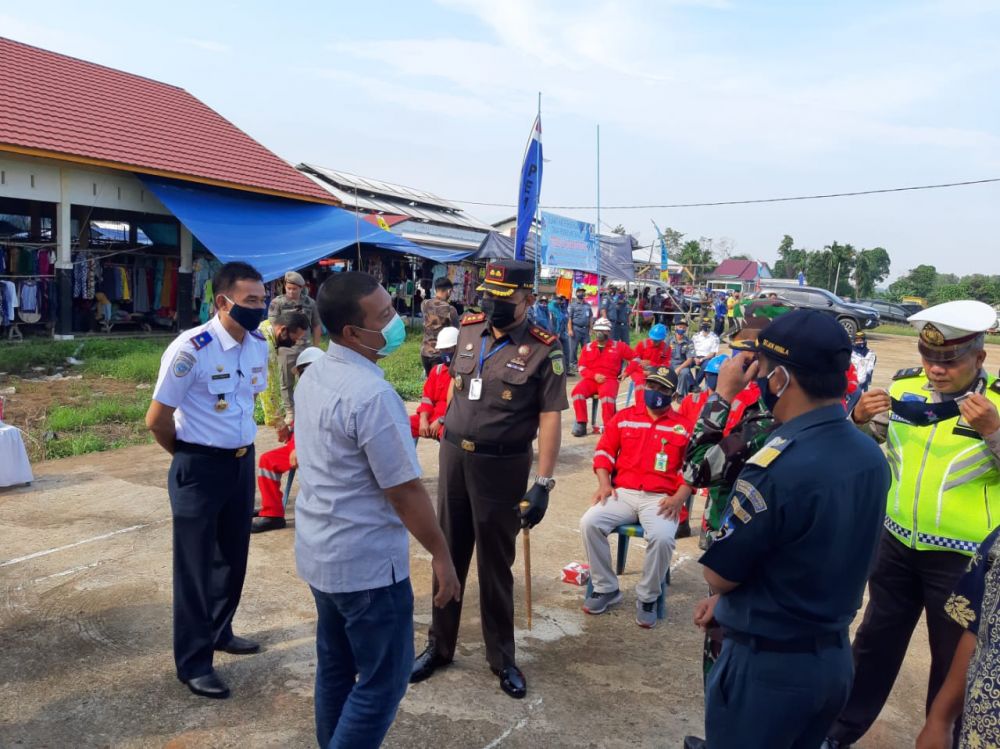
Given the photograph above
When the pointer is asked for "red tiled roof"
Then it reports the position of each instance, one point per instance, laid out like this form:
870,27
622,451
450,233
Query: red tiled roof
734,267
390,218
62,107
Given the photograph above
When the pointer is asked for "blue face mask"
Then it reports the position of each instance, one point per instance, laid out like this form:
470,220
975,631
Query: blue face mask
248,318
769,399
656,400
394,334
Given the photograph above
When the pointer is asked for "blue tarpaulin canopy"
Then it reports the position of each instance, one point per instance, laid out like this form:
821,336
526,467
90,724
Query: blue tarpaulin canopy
274,234
616,253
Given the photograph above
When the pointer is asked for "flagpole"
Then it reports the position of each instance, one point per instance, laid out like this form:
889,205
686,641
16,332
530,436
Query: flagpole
598,218
538,216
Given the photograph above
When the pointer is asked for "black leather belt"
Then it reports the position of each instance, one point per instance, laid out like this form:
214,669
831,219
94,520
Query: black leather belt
495,449
798,645
220,452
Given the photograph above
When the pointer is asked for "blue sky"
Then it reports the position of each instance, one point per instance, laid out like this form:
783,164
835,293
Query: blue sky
698,100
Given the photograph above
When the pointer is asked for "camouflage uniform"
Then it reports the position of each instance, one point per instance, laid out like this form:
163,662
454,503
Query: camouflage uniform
725,436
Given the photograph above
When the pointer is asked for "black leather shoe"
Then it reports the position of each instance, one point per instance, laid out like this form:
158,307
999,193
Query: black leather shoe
693,742
261,524
256,512
579,429
512,682
209,685
239,646
425,664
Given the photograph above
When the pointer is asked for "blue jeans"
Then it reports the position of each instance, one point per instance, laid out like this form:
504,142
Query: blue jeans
364,650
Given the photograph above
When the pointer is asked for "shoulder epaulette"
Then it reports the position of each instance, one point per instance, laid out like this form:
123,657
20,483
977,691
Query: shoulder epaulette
769,452
201,340
543,335
474,318
911,372
257,334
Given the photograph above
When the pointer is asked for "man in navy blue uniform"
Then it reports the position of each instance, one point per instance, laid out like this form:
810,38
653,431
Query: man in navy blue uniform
794,550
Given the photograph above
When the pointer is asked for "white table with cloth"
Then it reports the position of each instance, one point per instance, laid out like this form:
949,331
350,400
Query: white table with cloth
14,466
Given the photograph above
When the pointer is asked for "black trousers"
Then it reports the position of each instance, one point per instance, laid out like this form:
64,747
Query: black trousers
903,583
429,363
478,497
211,499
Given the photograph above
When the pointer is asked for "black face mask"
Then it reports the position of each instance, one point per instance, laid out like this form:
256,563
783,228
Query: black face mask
248,318
922,413
861,348
500,313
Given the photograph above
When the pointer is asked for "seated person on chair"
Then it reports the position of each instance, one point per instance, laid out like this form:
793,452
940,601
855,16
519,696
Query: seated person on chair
653,352
600,369
690,408
681,357
638,465
429,418
274,463
706,345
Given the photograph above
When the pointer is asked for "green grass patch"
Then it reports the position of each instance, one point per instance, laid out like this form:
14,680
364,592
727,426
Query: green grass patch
132,359
910,332
113,410
404,370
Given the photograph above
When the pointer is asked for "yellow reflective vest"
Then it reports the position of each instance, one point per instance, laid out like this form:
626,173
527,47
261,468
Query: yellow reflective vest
945,492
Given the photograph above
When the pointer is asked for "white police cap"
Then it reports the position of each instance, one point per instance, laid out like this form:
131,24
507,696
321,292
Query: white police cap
949,330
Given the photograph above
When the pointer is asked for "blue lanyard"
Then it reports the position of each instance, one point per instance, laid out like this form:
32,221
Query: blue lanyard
483,356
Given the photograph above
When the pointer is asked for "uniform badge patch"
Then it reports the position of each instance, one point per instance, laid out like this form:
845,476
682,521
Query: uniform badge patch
543,335
769,452
472,319
458,382
744,516
507,395
523,350
201,340
557,365
749,491
183,363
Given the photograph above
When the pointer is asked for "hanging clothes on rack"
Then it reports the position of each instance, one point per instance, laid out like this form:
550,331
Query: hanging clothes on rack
29,296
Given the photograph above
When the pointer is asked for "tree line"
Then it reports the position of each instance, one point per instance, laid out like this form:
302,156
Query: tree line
925,281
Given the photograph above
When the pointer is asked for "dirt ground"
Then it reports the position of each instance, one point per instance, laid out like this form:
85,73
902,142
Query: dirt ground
85,592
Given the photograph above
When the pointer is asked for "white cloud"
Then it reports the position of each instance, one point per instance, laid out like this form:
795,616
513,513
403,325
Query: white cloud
206,45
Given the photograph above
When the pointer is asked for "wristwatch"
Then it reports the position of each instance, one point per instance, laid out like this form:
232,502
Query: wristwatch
547,483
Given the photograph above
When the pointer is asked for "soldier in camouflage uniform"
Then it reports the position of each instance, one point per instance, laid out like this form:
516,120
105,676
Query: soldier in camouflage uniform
733,425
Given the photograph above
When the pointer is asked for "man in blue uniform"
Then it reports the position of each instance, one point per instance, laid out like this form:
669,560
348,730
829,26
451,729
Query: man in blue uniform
618,310
581,315
794,550
202,414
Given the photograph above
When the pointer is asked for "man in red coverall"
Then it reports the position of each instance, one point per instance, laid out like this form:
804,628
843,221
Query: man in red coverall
427,421
600,366
274,463
638,465
654,352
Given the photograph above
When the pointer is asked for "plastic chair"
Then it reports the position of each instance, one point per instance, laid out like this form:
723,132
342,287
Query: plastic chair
288,488
625,533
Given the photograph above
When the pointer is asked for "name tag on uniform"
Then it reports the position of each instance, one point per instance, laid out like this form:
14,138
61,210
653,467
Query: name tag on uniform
475,389
220,376
661,462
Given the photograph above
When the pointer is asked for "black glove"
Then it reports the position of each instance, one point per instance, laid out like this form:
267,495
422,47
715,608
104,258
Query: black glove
538,502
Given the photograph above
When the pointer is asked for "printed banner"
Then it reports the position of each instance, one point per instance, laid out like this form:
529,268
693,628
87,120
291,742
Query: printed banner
568,243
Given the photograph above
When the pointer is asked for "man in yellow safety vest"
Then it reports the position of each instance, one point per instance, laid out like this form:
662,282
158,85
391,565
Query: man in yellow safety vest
941,428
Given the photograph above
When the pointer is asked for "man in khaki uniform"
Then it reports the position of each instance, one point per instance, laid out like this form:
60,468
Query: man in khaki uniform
508,384
295,299
437,314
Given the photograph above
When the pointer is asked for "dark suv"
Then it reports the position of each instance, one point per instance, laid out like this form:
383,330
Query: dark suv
889,311
853,317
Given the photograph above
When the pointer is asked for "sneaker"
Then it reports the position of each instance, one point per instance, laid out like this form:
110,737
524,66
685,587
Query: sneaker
580,429
598,603
645,614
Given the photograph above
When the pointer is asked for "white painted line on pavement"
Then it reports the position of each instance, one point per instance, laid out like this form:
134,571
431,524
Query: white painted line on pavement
70,571
37,554
516,727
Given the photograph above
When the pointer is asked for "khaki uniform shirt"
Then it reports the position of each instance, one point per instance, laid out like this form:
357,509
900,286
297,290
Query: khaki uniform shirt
437,314
524,377
304,304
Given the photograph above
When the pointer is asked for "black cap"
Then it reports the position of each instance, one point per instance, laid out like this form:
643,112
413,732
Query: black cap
504,277
807,339
662,375
443,283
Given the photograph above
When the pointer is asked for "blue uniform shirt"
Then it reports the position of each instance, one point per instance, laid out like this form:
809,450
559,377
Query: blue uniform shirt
211,381
539,315
580,314
975,605
801,528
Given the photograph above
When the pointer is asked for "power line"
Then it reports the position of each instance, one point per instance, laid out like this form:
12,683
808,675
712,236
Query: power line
744,202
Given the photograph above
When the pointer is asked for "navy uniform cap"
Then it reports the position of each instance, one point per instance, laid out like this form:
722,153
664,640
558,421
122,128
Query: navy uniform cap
504,277
663,376
807,339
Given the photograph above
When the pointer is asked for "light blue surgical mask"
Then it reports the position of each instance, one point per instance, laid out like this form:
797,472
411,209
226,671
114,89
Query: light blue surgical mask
394,334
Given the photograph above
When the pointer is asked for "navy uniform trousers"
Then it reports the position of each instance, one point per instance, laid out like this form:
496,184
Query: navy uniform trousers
775,700
211,499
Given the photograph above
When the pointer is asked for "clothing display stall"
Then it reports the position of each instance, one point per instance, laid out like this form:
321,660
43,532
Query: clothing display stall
27,286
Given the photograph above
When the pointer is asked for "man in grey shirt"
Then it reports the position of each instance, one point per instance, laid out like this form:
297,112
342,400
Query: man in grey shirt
360,492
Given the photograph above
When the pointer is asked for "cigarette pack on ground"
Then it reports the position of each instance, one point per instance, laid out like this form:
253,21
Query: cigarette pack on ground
576,573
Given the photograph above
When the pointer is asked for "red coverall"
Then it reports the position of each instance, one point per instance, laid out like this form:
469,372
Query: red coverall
435,399
648,353
607,361
629,446
690,408
271,465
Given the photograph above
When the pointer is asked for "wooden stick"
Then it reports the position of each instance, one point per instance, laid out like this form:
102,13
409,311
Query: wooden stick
527,563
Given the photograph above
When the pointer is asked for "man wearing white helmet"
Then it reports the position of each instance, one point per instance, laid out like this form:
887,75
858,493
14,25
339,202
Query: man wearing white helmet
600,369
276,462
940,424
427,421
